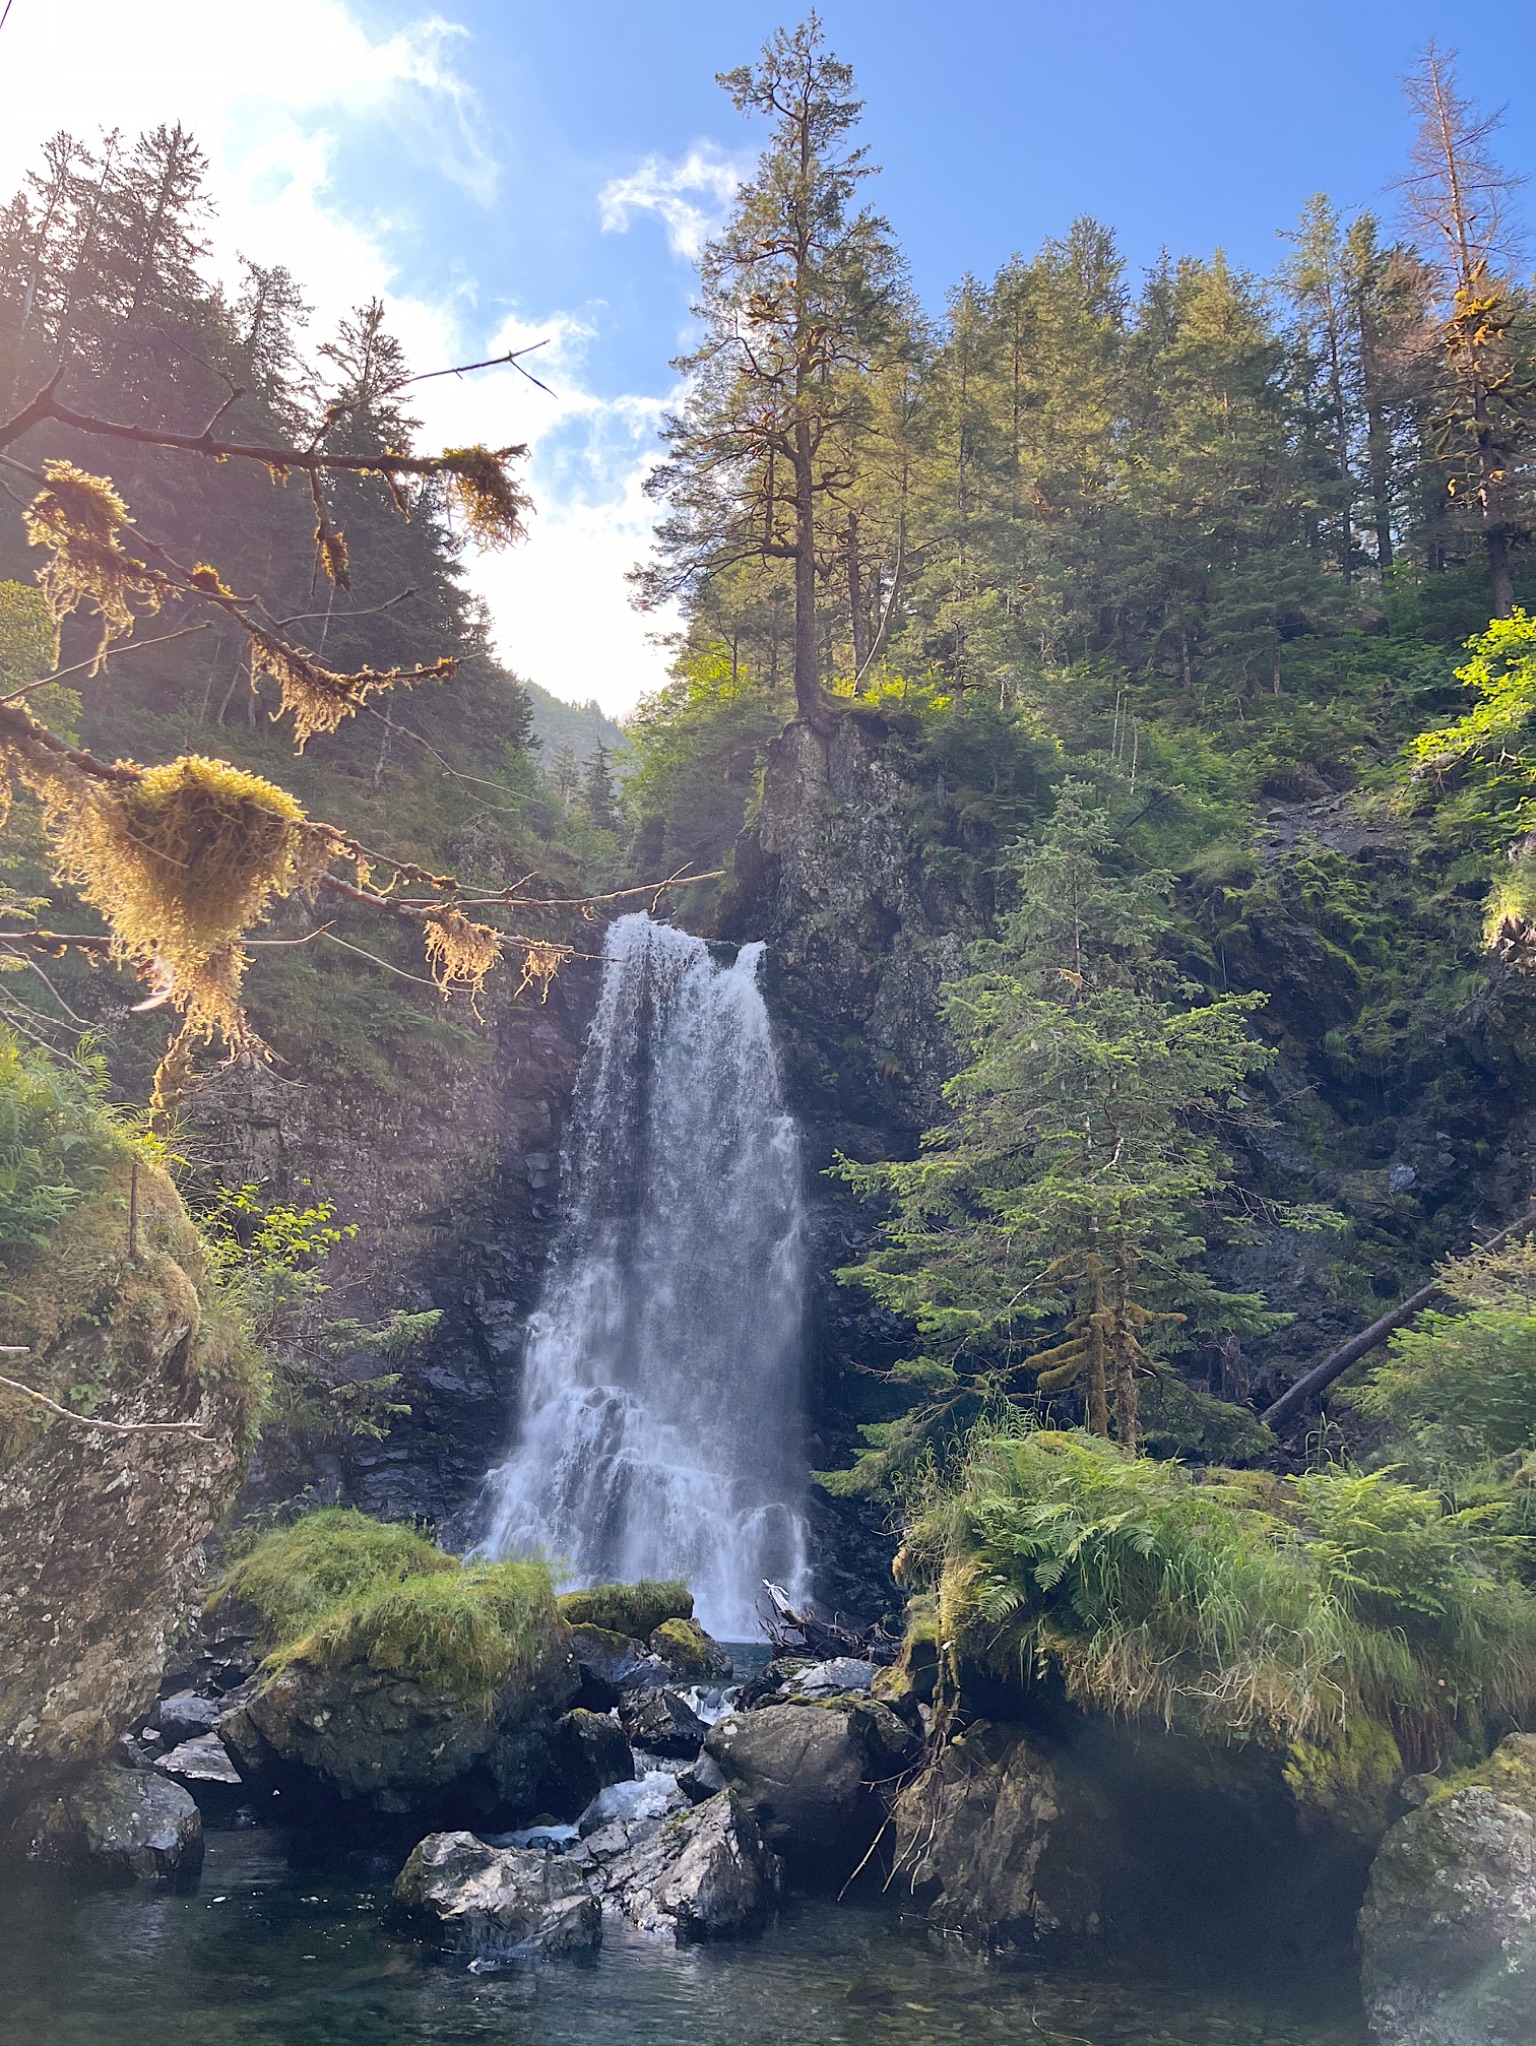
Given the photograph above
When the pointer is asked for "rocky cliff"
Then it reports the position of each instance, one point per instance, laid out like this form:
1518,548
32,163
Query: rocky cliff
101,1521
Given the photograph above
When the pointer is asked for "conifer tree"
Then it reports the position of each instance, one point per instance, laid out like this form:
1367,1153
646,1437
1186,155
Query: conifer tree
1458,196
802,299
1052,1229
597,790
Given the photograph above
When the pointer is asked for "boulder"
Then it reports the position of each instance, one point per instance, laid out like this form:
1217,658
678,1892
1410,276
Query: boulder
662,1722
971,1837
202,1767
1448,1929
650,1673
121,1826
494,1902
606,1662
843,1675
703,1874
589,1752
624,1814
800,1771
690,1653
185,1716
386,1744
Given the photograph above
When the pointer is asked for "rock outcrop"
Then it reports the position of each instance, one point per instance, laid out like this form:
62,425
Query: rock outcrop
702,1874
805,1773
1448,1931
100,1532
972,1834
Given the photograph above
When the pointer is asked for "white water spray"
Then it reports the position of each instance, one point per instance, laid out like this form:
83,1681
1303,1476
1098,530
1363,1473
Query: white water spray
657,1427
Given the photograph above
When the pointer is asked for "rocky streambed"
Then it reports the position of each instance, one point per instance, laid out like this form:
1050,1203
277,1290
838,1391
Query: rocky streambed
630,1806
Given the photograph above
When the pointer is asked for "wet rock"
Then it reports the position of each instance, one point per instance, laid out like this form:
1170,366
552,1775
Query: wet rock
799,1770
624,1814
494,1902
122,1826
705,1874
385,1744
589,1752
971,1839
772,1683
650,1673
662,1722
203,1768
832,1679
185,1716
701,1779
606,1661
1448,1930
691,1653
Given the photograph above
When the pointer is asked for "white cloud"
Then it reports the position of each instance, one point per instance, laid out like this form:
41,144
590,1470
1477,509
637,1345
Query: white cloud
276,91
663,188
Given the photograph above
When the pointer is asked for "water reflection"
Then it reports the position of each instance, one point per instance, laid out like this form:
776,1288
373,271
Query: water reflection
265,1956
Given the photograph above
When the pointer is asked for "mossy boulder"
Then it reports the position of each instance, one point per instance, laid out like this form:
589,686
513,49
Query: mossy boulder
1448,1930
689,1652
635,1610
101,1531
398,1679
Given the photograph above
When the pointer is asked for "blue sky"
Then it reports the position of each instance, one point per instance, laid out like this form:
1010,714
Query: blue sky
502,172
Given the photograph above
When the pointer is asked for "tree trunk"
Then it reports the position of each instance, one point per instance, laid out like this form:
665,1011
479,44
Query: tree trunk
1378,458
808,697
857,612
1098,1376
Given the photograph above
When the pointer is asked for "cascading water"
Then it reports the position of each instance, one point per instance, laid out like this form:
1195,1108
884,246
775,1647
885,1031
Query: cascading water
658,1422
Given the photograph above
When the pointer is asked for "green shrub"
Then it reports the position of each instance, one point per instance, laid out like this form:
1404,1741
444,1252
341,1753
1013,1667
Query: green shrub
1458,1389
1234,1604
632,1609
338,1588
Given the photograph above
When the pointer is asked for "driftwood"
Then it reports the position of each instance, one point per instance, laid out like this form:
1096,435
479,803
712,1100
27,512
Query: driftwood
1291,1402
802,1633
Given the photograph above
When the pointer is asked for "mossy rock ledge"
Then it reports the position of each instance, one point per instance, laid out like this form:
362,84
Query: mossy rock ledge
100,1532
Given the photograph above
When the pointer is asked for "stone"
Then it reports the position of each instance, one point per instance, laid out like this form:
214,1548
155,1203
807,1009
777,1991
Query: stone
1448,1929
494,1902
589,1752
971,1834
650,1673
691,1653
203,1768
122,1826
606,1662
662,1722
704,1874
385,1744
832,1679
185,1716
799,1770
702,1778
626,1813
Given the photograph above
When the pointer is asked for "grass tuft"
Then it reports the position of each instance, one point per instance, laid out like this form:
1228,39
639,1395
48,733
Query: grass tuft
633,1609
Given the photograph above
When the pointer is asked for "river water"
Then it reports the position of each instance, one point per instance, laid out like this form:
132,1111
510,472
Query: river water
266,1955
658,1431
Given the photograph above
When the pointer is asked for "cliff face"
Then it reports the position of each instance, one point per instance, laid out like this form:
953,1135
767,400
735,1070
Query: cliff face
100,1531
451,1182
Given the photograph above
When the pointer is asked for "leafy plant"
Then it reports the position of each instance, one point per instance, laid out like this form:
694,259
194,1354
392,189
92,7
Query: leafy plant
56,1135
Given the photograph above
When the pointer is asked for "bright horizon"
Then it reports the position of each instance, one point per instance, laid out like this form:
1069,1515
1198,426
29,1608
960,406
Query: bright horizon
501,176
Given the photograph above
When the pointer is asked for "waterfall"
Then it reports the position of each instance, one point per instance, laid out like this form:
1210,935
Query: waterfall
657,1431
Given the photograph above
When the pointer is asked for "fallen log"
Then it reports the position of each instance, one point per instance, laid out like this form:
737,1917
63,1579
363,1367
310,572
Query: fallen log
1321,1376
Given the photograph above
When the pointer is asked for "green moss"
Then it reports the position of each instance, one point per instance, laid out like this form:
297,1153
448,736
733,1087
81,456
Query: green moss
633,1609
1509,1772
685,1647
338,1589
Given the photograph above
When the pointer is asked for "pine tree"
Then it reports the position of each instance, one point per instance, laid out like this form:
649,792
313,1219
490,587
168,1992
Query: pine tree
1458,195
597,790
1053,1228
801,301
